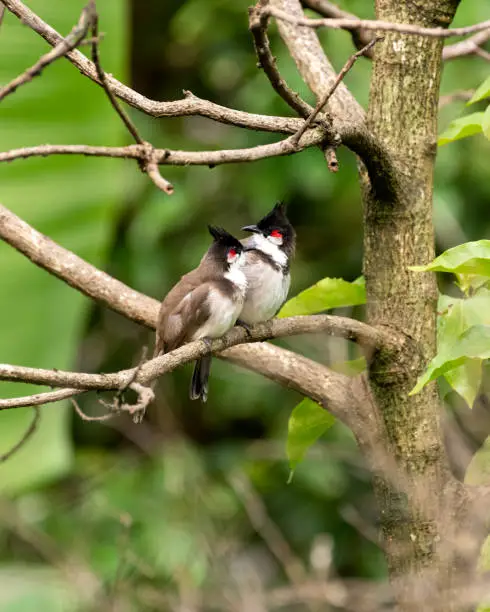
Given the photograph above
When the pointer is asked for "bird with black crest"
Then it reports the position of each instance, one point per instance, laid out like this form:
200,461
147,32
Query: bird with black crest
204,304
267,257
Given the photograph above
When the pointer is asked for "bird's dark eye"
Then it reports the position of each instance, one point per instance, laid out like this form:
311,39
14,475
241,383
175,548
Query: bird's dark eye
276,234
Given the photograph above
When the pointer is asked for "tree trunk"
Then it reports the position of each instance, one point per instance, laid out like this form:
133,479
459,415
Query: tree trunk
399,233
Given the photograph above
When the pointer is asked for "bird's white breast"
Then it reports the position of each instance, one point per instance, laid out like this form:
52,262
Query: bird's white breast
224,308
236,275
267,290
223,313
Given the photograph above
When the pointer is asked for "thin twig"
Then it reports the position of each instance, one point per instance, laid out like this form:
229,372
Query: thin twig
168,157
190,105
482,53
150,166
258,26
368,24
134,375
148,162
462,95
73,39
345,69
86,417
145,394
39,399
466,47
29,432
103,79
360,37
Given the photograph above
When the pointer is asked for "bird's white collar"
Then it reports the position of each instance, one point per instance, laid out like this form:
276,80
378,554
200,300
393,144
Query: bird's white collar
261,243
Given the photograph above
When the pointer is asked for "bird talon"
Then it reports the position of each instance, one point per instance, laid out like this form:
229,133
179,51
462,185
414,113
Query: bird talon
245,326
208,342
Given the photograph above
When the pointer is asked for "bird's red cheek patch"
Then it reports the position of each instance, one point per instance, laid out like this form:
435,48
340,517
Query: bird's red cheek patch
276,234
232,255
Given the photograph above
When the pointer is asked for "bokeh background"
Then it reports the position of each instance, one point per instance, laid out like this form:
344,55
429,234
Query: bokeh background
184,511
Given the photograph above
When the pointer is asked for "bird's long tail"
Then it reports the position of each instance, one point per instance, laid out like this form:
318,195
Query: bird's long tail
200,376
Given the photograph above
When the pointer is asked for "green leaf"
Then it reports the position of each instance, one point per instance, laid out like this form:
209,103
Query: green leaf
307,423
474,343
483,91
327,293
485,124
466,379
461,128
467,258
456,316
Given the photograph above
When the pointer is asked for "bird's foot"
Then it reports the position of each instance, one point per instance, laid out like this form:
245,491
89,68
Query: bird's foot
245,326
208,342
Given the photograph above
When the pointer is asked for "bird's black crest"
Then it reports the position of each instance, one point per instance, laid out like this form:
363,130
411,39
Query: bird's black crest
224,238
275,218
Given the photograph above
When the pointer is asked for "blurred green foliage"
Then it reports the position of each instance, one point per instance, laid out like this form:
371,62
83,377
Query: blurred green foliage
145,516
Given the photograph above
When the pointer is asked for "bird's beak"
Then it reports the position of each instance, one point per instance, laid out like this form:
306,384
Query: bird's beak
251,228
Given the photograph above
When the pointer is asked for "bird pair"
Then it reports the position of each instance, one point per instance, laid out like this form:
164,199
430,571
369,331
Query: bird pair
242,282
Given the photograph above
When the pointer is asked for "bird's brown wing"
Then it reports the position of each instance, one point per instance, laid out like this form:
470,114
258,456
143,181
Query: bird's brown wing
183,311
187,283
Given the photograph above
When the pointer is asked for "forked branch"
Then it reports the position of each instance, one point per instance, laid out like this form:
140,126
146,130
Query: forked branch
361,37
375,25
74,38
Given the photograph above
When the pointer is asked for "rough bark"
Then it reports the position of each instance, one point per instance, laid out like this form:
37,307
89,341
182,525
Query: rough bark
398,233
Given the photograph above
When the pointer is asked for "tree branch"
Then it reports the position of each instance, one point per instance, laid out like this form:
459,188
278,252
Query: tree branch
348,116
315,69
466,47
369,24
75,271
167,157
149,163
102,78
39,399
361,37
342,327
73,39
191,105
258,26
325,98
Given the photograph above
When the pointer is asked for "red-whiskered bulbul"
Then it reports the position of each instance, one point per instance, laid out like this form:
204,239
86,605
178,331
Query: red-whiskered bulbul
204,304
267,256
